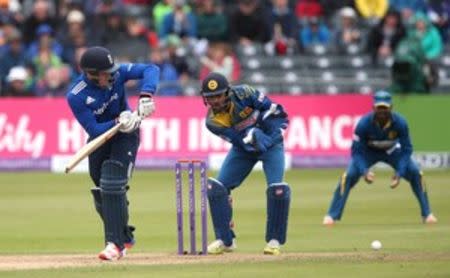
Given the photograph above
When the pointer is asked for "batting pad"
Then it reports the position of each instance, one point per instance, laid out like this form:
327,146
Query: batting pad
278,200
220,211
114,203
97,194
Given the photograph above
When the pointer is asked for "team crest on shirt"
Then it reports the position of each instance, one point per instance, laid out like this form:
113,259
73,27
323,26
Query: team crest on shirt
392,134
245,112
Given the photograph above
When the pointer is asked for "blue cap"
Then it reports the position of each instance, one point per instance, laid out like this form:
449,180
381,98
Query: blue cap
44,29
382,98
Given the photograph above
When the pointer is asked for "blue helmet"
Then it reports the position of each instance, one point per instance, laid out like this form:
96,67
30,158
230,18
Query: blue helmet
96,59
214,84
382,98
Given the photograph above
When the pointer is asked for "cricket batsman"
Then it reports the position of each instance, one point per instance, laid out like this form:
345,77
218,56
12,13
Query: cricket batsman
98,101
252,123
380,136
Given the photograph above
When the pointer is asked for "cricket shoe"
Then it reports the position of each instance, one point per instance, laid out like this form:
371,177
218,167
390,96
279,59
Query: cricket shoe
110,253
430,219
328,221
272,248
127,246
217,247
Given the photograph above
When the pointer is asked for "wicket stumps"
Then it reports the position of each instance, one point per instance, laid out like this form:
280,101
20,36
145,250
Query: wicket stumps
191,166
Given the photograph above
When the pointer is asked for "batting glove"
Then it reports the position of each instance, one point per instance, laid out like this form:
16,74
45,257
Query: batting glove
129,121
146,106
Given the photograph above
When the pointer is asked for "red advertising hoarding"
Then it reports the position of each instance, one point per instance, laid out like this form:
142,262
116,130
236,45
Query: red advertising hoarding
320,126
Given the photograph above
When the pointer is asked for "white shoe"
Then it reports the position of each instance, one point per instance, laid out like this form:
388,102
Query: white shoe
217,247
328,221
110,253
272,248
430,219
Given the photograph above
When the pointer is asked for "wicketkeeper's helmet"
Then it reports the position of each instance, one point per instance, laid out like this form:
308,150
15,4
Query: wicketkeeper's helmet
214,84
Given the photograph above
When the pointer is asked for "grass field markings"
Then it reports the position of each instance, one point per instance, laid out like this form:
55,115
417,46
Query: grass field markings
27,262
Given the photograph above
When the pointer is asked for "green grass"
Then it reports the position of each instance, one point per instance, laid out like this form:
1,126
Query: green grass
426,115
49,214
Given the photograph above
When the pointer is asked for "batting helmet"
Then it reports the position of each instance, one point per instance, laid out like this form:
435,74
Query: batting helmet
96,59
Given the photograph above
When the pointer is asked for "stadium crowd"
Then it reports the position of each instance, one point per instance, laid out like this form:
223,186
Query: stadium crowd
41,41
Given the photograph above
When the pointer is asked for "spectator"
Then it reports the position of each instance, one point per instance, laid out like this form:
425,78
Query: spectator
103,7
44,34
315,33
348,35
73,35
330,7
429,36
168,79
16,83
14,55
6,29
177,57
211,21
306,9
384,37
413,5
55,82
5,15
248,25
179,22
43,54
134,45
372,10
160,10
407,71
113,29
41,15
439,15
15,11
280,45
220,59
282,15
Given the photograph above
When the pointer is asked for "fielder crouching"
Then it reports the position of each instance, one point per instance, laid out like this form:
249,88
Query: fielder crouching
252,124
98,101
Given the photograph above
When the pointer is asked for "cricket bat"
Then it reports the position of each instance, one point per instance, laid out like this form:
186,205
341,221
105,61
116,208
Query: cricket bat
91,147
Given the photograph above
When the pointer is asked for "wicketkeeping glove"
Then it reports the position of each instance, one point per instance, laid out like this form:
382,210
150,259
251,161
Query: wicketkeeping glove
262,141
146,106
130,121
258,139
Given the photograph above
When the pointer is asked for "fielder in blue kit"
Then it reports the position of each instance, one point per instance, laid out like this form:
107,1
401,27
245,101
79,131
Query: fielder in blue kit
252,123
98,101
380,136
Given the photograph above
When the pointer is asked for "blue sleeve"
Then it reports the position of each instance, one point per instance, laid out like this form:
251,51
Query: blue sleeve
252,97
359,146
87,119
149,73
406,148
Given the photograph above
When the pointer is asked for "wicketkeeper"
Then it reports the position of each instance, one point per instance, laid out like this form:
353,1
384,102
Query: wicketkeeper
98,101
252,123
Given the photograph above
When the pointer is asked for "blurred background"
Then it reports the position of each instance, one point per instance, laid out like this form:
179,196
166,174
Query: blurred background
280,46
